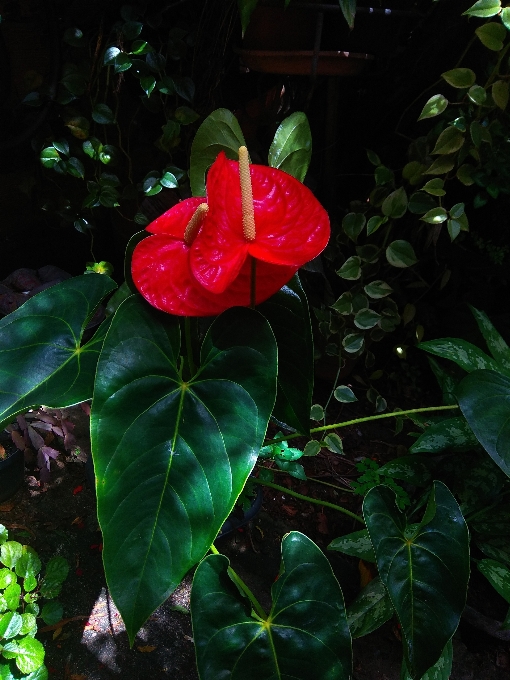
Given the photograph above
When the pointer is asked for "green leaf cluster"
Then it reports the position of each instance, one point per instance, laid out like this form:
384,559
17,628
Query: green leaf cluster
21,588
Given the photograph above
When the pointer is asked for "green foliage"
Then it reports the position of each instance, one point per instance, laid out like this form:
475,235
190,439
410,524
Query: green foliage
372,475
21,588
304,635
97,101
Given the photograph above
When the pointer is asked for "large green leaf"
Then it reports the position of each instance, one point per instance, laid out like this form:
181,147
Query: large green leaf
484,398
357,544
425,571
370,609
42,359
288,316
172,456
220,131
467,356
291,148
305,635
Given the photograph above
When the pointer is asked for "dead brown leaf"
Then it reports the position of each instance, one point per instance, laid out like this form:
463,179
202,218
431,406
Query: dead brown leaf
146,648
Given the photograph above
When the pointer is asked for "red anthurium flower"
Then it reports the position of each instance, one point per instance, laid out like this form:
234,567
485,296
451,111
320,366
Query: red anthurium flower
161,268
259,211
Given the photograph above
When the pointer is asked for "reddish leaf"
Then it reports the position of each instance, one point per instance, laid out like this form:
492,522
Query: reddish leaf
77,489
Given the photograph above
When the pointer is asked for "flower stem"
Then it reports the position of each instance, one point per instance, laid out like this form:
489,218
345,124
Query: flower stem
189,347
243,587
326,504
346,423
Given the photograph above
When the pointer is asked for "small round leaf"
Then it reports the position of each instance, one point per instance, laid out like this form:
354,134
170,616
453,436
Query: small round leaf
401,254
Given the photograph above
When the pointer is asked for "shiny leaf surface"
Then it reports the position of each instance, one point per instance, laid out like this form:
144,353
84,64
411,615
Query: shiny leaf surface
172,456
305,635
425,571
291,148
484,398
42,358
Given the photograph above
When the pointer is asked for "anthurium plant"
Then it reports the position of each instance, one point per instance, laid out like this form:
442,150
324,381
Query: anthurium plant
207,339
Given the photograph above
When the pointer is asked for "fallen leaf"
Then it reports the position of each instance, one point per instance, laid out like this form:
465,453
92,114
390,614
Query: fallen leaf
289,510
366,572
57,633
77,489
146,648
322,523
77,520
6,507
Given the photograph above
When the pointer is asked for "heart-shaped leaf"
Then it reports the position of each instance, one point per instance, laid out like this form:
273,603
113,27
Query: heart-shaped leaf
425,570
484,398
291,148
305,635
42,359
171,456
288,316
220,131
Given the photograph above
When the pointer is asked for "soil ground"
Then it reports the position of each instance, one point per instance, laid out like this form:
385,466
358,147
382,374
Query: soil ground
91,643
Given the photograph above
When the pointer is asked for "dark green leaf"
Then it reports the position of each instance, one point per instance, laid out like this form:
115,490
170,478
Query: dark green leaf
357,544
291,148
42,360
246,8
460,78
353,342
421,202
370,609
305,636
57,569
52,612
185,115
466,355
101,113
434,187
144,411
184,87
395,205
435,216
351,268
374,223
73,36
401,254
344,394
75,168
498,576
353,224
449,140
451,434
441,670
220,131
334,443
289,318
366,318
484,397
492,35
477,94
425,571
497,346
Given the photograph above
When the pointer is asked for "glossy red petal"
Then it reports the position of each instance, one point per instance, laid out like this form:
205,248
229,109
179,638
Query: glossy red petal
291,225
161,272
173,222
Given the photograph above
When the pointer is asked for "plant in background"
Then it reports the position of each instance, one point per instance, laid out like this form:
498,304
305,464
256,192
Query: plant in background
180,410
103,113
382,252
21,590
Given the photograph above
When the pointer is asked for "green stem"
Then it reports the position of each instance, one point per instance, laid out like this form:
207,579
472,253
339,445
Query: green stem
253,283
243,587
189,346
393,414
326,504
309,479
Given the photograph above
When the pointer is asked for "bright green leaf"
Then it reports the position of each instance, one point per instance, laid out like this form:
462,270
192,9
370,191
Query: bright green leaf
220,131
460,78
477,94
291,148
435,105
435,216
434,187
492,35
484,8
449,140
